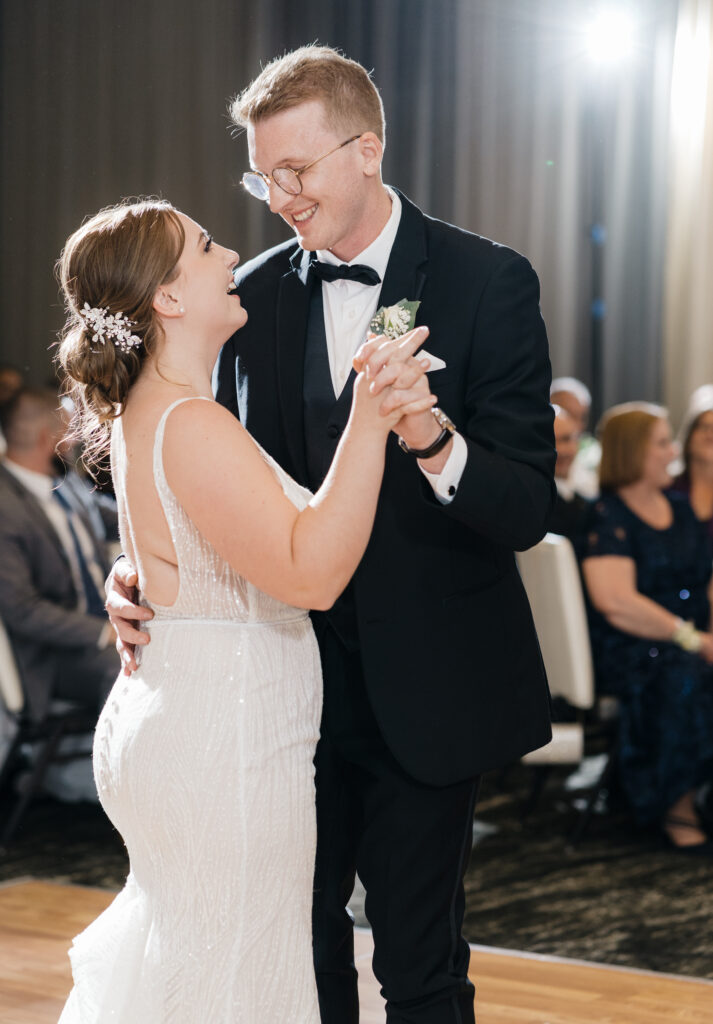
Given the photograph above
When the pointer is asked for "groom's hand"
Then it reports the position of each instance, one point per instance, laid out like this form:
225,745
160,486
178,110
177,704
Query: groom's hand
124,613
387,363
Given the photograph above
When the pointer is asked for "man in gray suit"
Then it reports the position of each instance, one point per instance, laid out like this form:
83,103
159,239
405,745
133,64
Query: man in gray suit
52,563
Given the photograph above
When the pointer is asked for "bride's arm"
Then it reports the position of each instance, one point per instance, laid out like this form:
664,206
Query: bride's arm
304,558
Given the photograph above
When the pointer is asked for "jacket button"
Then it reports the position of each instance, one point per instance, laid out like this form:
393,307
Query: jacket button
334,431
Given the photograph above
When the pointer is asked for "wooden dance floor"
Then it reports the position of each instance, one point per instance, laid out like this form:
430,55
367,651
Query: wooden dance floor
38,919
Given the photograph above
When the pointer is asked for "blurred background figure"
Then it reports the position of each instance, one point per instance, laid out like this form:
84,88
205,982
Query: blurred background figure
52,562
99,507
696,438
10,383
647,568
570,509
573,396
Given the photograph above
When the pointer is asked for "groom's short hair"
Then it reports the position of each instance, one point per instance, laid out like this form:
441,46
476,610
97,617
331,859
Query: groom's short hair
350,98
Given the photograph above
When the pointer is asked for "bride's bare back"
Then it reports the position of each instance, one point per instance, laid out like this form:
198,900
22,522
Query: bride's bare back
144,530
233,497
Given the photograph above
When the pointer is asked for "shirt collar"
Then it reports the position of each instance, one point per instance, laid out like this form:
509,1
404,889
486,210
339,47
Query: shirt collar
38,484
376,254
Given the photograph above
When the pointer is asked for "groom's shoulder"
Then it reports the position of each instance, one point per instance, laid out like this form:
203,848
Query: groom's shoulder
267,266
446,241
462,243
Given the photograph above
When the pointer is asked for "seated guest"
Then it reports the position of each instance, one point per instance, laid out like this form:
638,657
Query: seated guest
10,383
647,569
696,435
573,396
99,507
570,509
52,564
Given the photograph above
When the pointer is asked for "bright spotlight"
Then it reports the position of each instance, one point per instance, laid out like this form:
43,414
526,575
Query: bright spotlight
610,36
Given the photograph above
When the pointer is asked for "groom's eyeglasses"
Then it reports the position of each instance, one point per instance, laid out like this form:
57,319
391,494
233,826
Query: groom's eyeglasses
287,178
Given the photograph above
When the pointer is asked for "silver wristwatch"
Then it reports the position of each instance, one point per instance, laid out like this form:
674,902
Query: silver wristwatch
448,429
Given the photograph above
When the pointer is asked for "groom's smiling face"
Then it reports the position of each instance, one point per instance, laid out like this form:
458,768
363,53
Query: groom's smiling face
338,207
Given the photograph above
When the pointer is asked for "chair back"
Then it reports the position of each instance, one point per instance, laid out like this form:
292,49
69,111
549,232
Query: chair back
11,693
551,578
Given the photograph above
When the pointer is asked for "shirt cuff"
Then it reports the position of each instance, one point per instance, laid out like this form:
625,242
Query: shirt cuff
445,483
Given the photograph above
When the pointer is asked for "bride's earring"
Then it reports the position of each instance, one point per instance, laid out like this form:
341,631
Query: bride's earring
181,309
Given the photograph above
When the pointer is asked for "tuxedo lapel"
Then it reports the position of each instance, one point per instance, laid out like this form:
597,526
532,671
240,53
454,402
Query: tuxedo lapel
292,311
404,279
406,270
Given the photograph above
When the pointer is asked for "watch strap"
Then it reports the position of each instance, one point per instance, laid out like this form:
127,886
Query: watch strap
433,449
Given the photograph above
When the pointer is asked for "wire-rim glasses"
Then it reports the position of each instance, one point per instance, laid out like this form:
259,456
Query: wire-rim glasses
289,179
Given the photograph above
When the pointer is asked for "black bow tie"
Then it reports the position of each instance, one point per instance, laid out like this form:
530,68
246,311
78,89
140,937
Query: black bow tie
358,272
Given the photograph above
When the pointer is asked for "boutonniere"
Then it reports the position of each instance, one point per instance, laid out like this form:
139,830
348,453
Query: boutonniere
393,321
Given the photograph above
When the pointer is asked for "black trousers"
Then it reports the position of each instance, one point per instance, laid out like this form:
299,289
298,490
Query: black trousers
410,844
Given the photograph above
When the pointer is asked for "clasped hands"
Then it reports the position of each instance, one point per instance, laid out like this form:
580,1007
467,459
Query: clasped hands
390,364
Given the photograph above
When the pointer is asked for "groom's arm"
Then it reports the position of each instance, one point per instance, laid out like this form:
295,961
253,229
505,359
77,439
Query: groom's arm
506,489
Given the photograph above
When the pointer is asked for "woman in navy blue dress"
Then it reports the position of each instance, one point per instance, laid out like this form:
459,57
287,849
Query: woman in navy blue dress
647,567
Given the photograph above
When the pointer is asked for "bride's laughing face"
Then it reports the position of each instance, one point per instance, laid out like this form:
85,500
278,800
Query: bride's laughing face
204,286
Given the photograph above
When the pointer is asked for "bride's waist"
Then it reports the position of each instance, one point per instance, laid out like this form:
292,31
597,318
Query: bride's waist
162,620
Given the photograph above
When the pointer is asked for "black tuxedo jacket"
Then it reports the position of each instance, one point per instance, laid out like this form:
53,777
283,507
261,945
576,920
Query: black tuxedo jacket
451,660
569,517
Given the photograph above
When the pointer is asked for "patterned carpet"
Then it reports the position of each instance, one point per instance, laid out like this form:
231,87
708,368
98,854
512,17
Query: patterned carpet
620,897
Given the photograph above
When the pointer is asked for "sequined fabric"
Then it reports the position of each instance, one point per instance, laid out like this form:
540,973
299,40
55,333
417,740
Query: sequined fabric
203,761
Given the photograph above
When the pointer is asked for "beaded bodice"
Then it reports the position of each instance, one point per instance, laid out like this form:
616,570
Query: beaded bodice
209,588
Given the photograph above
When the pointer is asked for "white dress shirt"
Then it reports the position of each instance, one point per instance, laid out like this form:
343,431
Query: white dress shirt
349,307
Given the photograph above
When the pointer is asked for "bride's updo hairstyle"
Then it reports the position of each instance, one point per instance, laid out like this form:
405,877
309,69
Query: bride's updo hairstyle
113,264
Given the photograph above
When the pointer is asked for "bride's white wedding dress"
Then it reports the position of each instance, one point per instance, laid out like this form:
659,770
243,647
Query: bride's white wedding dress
203,761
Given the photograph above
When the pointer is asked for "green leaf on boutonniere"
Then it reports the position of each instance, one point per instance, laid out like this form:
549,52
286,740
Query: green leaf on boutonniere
394,321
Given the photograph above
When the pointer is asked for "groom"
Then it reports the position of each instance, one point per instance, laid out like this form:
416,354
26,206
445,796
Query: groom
432,672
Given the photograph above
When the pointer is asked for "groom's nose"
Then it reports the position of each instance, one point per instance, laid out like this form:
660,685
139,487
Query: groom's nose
278,198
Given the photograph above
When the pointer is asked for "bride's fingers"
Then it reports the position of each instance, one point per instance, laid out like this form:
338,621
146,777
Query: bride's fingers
410,342
399,375
402,400
388,351
367,349
419,405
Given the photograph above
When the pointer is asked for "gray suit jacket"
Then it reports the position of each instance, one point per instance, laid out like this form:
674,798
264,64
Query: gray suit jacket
38,600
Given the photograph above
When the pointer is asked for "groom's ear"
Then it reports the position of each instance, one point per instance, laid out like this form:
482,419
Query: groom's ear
371,149
166,303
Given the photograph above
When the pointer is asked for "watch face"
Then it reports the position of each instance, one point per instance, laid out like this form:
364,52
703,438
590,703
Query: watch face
442,420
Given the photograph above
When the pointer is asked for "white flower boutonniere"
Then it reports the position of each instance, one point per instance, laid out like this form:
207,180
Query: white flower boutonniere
394,321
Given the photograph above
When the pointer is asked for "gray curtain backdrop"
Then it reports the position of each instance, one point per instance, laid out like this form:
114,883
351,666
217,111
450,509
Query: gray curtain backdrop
496,121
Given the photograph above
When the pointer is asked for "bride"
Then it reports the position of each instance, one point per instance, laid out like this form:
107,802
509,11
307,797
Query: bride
203,758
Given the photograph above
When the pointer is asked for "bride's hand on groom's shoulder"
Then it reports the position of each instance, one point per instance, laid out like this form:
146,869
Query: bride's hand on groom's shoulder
124,613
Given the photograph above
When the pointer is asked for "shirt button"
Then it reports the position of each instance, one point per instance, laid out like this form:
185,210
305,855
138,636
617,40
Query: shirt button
333,430
351,314
451,491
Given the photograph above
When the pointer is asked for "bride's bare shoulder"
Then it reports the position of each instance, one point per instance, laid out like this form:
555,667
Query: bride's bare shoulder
201,438
196,410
